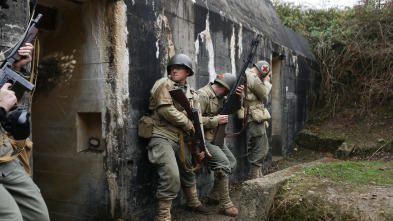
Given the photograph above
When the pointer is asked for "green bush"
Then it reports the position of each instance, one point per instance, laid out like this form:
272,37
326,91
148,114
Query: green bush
354,50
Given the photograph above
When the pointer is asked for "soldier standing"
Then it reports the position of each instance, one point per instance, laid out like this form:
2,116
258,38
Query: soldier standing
169,121
222,162
258,89
20,198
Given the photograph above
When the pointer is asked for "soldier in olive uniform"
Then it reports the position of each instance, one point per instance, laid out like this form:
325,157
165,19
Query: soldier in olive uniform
258,89
20,198
222,162
169,121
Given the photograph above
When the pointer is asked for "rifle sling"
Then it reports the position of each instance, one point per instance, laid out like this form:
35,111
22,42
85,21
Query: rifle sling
34,69
183,158
245,119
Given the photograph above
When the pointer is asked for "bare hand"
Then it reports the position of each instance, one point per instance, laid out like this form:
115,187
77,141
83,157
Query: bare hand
222,119
7,97
25,52
202,155
192,129
267,78
239,91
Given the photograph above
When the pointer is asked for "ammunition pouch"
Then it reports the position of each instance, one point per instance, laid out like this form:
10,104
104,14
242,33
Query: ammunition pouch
145,127
259,113
209,134
240,113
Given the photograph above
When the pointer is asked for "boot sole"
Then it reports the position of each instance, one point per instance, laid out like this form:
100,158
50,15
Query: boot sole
197,211
222,212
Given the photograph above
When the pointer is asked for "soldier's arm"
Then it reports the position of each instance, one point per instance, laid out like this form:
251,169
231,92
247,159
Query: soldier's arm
175,117
259,88
166,109
208,122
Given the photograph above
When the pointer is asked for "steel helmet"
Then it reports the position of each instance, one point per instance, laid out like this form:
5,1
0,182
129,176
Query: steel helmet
227,80
180,59
263,67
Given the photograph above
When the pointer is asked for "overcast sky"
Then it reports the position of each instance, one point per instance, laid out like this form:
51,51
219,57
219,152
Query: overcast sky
323,4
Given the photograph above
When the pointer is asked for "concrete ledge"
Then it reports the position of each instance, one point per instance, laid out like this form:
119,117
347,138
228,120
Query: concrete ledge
312,141
254,198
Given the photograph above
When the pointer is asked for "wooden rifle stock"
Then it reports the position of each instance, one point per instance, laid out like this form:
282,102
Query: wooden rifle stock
231,101
195,141
28,38
179,96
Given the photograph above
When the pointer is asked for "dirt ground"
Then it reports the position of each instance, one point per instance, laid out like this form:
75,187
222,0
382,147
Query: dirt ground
372,136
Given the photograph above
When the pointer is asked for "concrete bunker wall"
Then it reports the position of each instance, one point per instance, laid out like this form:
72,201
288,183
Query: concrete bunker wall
217,39
77,110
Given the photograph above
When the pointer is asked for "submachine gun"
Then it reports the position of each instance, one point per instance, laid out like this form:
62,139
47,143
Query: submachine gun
17,122
232,102
195,141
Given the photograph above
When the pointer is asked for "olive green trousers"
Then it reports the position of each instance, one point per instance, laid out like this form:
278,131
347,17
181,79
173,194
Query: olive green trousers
222,158
20,198
166,155
258,142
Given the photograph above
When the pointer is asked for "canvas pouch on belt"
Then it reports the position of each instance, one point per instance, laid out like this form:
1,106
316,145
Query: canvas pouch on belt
24,156
21,149
145,127
259,113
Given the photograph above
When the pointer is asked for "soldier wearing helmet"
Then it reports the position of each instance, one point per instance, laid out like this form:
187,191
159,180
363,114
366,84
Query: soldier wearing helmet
258,89
263,67
169,119
222,162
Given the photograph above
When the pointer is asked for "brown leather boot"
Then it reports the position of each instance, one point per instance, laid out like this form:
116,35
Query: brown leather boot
200,209
193,203
255,171
164,210
231,211
226,206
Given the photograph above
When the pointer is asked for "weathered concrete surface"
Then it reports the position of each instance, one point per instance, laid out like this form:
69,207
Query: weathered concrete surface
13,22
254,198
216,35
312,141
78,182
299,43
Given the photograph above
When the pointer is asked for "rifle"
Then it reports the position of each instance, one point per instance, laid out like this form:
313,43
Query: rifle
17,122
231,102
197,140
8,75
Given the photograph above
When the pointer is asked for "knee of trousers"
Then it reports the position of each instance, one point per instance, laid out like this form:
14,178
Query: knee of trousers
42,217
13,214
221,174
233,163
168,182
168,190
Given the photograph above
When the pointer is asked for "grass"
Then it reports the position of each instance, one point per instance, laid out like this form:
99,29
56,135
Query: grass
300,200
307,196
375,173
